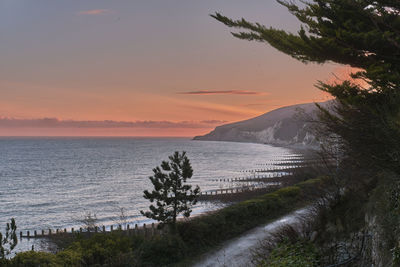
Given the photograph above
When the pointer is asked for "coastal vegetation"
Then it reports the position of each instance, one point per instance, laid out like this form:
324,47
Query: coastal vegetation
361,129
193,237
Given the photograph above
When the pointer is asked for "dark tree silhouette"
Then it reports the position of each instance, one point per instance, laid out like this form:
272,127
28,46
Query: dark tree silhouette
363,34
171,194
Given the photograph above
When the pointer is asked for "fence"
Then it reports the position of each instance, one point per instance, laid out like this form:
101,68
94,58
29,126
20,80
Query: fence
144,230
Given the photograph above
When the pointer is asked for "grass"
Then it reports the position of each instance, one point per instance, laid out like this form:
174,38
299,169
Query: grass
286,254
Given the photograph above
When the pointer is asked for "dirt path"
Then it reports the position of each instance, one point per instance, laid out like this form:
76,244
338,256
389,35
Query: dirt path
238,252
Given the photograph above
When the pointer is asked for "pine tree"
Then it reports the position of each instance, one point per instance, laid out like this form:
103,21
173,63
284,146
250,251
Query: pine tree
9,241
363,34
171,194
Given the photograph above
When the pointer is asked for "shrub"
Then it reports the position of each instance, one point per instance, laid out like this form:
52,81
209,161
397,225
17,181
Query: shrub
70,257
162,250
34,259
104,249
289,192
286,254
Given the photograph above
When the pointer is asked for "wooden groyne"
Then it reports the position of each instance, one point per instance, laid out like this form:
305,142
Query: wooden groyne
239,194
276,172
255,176
237,190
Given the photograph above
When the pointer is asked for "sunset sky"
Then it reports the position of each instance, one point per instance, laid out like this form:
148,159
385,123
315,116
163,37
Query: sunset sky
163,68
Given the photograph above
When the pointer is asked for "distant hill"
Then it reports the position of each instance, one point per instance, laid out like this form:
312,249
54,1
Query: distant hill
283,126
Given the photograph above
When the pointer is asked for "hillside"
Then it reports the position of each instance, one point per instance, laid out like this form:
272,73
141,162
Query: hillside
288,125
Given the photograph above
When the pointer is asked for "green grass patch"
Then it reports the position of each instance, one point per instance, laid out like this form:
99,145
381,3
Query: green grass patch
286,254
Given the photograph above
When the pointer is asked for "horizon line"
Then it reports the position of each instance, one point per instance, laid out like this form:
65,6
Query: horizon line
100,136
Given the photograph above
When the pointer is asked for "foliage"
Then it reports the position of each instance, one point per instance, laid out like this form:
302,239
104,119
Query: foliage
362,125
209,230
332,232
362,34
286,254
171,193
70,257
341,228
9,240
34,258
110,249
162,251
193,236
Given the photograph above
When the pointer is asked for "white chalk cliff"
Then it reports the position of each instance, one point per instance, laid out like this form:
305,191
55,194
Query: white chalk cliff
283,126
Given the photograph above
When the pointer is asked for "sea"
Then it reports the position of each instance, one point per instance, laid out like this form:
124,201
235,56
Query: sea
54,182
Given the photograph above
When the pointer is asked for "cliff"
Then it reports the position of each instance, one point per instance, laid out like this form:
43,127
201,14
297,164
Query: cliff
288,125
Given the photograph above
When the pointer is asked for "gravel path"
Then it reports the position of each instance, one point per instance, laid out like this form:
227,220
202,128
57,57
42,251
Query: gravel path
238,252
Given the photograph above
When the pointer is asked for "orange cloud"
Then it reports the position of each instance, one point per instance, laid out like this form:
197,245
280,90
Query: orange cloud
94,12
221,110
224,92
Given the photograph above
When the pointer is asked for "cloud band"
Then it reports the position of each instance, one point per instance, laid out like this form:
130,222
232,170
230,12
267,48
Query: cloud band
55,123
223,92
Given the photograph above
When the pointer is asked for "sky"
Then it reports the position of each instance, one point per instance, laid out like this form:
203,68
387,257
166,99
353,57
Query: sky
142,68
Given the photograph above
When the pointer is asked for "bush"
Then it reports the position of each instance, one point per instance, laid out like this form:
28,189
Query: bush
286,254
162,251
108,249
34,259
289,192
70,257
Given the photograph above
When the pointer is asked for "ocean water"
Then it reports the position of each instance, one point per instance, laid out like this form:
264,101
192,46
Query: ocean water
52,182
